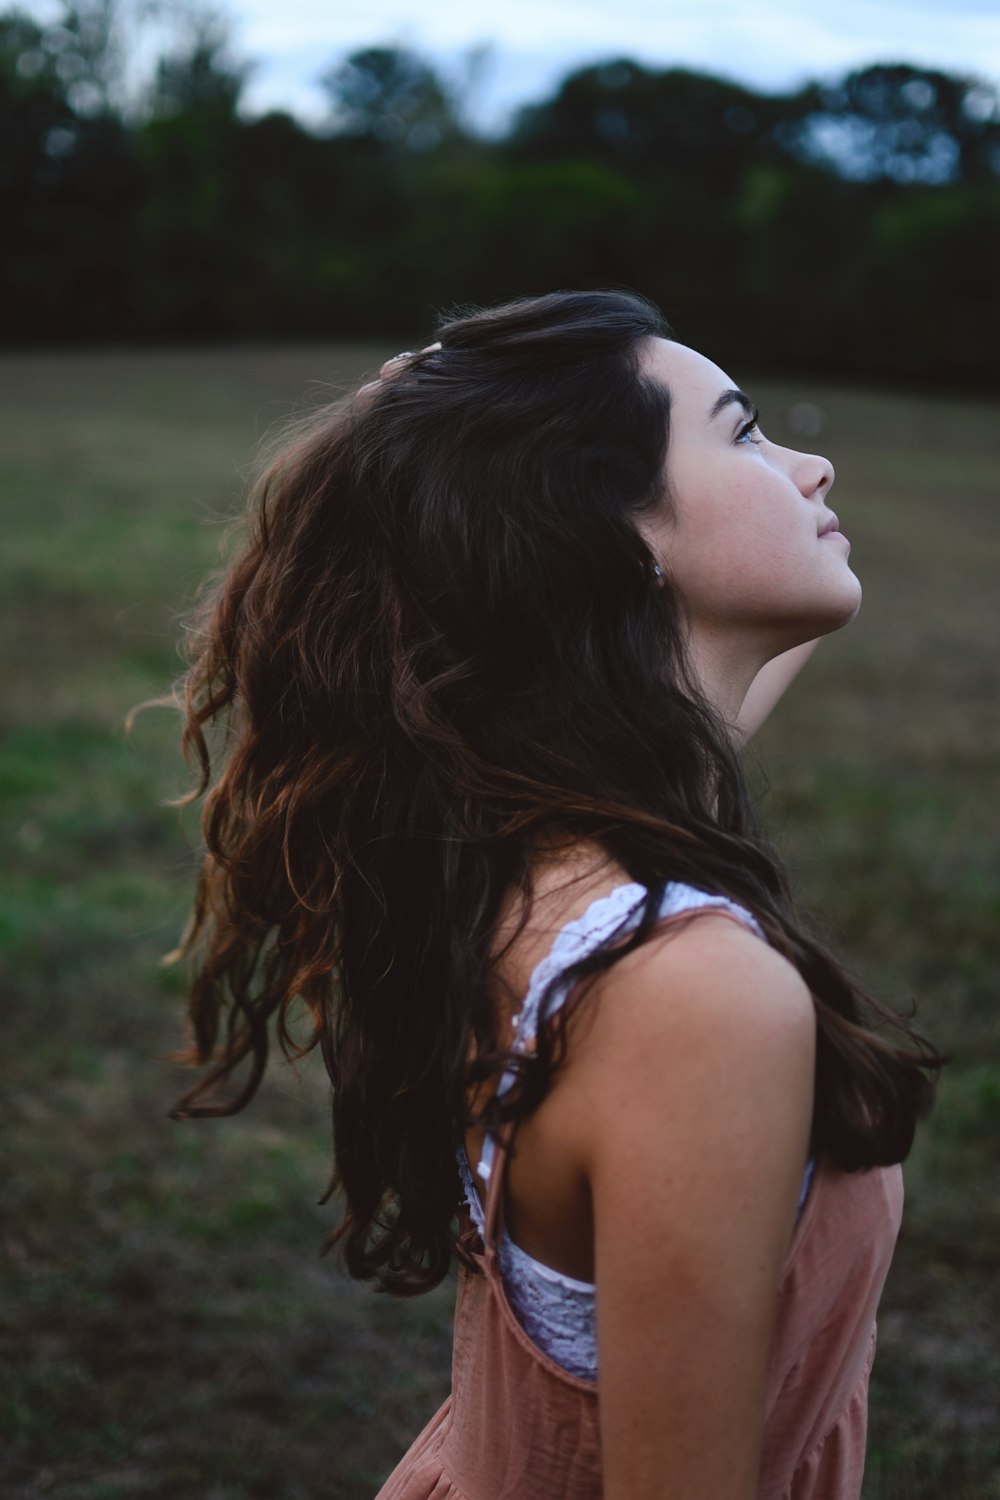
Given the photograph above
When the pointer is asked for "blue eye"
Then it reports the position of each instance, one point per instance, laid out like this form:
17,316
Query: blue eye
746,432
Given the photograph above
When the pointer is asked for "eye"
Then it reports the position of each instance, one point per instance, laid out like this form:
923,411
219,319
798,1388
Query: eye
749,428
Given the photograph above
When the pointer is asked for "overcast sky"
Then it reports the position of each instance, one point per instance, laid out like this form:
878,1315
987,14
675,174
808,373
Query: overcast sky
770,44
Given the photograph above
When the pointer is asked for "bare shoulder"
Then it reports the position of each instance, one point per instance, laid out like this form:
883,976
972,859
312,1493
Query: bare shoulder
705,1027
707,977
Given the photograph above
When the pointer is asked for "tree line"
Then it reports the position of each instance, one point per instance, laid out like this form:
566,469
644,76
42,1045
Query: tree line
850,226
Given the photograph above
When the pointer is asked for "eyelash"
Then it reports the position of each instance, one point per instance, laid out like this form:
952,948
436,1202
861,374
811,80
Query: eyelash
748,428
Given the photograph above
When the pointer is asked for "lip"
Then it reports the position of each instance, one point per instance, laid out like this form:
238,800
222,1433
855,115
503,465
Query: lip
832,525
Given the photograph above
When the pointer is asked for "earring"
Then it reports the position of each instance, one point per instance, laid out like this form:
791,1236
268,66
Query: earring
657,572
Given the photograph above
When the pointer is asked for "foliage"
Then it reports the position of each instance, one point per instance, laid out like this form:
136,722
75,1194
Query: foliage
899,123
390,96
853,225
690,126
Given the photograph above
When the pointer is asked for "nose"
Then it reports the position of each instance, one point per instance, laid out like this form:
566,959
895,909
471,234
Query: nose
813,475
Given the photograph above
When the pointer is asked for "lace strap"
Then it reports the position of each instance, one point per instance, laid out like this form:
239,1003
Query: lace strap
469,1190
678,899
618,911
603,918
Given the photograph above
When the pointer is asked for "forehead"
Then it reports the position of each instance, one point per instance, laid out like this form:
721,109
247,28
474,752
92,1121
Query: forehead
694,382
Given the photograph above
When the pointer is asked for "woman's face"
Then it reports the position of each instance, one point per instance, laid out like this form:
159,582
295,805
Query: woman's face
747,536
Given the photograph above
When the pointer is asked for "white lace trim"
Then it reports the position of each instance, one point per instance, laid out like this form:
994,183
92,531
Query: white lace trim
557,1312
473,1202
619,911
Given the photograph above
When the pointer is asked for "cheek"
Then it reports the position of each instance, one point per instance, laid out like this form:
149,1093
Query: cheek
728,547
750,556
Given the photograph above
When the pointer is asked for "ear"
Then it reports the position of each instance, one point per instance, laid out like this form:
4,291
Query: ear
655,529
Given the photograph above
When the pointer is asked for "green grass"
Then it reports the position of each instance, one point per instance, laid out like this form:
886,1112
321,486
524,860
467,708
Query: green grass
167,1326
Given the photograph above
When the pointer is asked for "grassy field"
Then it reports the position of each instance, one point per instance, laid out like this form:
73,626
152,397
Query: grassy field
167,1326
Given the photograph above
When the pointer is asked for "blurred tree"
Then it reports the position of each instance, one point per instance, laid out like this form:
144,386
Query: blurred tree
27,63
538,225
390,96
676,120
799,271
897,123
931,284
392,116
38,129
33,99
305,267
196,256
791,231
68,176
199,76
88,48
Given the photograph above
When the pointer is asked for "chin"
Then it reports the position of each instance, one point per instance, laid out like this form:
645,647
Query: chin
838,600
852,600
823,617
840,613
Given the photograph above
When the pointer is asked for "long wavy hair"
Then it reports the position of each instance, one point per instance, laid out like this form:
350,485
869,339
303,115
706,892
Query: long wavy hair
439,649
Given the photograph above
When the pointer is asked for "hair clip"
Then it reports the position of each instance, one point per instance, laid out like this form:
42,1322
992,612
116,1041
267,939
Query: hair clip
387,368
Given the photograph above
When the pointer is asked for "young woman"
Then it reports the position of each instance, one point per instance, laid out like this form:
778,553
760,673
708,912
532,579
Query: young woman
482,663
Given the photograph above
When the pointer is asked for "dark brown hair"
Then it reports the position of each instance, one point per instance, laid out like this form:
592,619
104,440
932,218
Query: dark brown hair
439,646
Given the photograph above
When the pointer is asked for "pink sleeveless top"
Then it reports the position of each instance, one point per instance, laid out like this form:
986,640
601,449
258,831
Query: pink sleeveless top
518,1426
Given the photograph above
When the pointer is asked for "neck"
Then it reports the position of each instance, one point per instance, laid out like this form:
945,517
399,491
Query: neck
722,672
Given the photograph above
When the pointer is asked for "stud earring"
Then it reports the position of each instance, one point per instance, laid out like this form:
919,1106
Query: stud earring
657,572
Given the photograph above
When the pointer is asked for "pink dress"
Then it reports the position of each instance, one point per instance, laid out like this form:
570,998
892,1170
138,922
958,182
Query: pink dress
519,1426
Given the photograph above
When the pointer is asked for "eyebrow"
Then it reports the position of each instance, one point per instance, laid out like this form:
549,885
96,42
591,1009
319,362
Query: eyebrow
733,397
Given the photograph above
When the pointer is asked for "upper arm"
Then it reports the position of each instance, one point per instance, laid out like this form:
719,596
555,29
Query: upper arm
697,1076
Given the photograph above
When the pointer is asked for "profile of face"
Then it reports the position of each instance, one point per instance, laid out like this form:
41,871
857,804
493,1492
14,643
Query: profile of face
746,535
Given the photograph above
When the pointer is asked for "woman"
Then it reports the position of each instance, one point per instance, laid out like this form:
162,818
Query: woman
483,660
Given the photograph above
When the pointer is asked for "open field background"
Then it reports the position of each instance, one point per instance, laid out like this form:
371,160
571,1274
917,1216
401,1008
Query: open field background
167,1327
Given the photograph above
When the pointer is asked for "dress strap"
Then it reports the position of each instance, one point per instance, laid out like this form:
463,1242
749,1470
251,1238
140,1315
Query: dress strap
470,1192
608,917
602,920
494,1180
